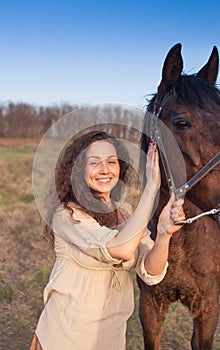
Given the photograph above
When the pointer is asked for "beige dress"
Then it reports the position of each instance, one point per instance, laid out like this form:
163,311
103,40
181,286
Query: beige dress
89,297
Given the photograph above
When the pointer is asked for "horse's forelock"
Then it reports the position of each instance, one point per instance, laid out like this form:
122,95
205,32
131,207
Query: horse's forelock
196,92
191,91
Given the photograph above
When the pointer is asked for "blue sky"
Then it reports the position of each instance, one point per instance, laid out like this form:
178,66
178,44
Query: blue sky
86,52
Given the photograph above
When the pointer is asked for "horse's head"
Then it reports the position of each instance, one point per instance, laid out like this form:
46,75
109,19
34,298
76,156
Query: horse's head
192,114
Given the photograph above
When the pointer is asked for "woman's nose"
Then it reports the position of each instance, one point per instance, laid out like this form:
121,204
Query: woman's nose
103,167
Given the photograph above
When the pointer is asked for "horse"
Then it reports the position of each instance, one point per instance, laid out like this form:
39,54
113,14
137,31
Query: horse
189,106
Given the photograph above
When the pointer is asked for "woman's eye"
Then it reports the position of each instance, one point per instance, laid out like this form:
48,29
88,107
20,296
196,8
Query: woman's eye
181,124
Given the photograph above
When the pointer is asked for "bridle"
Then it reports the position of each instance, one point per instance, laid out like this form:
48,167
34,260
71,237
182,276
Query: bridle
183,189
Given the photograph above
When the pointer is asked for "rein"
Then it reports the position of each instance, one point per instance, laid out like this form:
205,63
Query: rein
197,177
182,190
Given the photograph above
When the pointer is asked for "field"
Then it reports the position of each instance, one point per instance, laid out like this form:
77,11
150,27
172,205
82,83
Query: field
26,261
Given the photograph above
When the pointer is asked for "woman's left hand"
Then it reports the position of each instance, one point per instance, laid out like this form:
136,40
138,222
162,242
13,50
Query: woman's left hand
152,167
171,213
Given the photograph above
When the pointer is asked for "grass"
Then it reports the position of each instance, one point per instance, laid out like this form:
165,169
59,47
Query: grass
7,292
26,262
23,254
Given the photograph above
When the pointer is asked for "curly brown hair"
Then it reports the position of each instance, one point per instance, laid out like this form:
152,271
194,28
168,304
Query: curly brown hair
71,188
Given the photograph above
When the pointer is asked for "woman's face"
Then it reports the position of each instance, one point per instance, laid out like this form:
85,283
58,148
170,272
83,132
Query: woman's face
102,168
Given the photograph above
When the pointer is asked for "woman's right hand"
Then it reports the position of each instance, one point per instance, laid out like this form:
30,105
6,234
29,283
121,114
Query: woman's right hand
152,168
171,213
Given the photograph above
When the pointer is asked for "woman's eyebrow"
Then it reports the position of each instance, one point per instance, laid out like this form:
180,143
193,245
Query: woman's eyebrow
97,157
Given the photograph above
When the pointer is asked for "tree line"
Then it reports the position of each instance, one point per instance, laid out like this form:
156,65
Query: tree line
23,120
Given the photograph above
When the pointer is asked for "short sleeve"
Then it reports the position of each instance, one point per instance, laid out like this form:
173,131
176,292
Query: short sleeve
145,246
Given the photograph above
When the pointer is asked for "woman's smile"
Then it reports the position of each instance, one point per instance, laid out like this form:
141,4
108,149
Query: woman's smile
104,180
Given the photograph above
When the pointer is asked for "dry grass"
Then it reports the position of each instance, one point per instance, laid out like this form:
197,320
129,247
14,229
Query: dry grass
25,262
17,142
24,258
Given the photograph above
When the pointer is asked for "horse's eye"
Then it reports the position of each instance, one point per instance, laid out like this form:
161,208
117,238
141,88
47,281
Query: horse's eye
181,124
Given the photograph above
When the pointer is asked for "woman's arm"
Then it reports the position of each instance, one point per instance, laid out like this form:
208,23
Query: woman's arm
156,259
124,245
126,242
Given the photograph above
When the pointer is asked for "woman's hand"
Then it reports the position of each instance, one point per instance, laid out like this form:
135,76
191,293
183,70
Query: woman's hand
152,168
171,213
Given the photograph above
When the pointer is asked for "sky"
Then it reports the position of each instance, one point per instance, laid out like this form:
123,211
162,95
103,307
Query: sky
88,52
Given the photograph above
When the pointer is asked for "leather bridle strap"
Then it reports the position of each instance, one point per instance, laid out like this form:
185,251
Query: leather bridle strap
163,103
180,192
157,136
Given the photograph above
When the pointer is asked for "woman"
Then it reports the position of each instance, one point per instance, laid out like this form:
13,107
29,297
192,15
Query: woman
89,297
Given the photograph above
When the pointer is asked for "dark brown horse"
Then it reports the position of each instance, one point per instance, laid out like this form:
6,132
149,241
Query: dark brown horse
189,105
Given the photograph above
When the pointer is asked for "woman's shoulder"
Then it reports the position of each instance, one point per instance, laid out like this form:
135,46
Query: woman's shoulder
73,211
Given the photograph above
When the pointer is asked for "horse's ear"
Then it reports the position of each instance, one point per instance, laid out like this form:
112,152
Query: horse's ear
172,68
210,69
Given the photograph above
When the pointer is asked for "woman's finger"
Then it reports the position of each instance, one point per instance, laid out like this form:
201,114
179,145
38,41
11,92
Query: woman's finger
177,215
